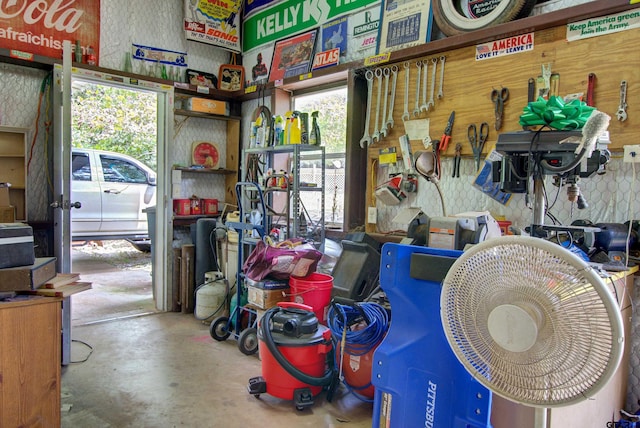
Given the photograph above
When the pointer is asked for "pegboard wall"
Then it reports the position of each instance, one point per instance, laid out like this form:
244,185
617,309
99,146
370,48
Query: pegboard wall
467,87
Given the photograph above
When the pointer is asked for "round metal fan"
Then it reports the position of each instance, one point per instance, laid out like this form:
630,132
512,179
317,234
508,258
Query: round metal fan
531,321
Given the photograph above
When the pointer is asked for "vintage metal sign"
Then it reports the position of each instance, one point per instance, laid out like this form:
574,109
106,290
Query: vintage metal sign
216,22
39,27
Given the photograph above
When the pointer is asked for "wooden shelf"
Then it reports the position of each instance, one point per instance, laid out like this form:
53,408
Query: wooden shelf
190,113
221,171
202,91
13,167
186,220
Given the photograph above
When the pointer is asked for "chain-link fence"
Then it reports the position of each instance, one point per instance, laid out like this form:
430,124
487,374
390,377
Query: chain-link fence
333,198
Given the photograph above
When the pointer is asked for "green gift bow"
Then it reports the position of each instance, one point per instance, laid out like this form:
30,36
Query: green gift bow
556,114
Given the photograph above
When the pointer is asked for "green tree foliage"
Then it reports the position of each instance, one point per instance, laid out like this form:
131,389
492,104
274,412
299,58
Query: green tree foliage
115,119
332,117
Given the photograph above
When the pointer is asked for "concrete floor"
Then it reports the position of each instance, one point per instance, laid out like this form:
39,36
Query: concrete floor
151,369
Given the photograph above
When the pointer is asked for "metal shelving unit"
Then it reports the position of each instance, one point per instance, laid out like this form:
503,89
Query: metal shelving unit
299,221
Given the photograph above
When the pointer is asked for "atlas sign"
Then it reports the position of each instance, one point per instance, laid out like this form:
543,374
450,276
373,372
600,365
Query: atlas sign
326,59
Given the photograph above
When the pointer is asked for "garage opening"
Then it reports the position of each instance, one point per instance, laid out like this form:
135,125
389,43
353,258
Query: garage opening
113,176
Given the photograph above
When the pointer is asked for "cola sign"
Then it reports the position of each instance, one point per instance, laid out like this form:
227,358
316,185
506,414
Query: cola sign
39,27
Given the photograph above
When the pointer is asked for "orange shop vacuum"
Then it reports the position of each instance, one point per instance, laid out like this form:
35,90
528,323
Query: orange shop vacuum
297,356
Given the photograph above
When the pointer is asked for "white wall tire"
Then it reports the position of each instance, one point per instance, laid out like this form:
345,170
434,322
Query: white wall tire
456,16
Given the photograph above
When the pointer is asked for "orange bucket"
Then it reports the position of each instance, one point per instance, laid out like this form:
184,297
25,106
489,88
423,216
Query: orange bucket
313,290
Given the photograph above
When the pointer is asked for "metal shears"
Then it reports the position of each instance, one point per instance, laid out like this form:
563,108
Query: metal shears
477,140
446,136
498,97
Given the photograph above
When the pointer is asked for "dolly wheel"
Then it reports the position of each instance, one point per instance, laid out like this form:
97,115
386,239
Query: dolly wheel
248,341
219,329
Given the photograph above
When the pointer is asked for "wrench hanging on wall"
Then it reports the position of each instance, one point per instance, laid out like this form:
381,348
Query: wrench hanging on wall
431,102
386,72
405,114
621,114
416,111
376,131
424,106
440,92
366,138
394,71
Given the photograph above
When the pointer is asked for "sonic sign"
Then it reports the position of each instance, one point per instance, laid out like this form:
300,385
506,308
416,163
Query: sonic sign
38,27
213,21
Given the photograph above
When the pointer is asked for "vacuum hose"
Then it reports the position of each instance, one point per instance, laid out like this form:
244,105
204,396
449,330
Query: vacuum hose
325,380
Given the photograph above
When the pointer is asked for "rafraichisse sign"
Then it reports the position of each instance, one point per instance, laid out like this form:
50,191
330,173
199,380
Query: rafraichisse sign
39,27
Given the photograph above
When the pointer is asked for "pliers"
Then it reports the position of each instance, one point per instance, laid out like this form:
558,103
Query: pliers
456,161
446,136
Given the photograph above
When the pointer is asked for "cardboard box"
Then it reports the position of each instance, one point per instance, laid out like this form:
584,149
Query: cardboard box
205,105
265,298
4,196
16,245
7,214
28,277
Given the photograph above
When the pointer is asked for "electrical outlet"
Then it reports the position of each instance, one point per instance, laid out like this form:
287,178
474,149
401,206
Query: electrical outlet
372,215
631,154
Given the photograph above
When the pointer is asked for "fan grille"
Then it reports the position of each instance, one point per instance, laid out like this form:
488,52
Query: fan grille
579,328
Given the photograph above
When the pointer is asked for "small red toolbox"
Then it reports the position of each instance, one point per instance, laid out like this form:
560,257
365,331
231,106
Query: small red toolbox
209,206
182,206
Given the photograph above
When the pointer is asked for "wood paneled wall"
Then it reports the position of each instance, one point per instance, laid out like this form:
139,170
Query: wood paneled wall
468,84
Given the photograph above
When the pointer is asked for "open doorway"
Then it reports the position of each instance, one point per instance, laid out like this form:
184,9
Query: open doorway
114,134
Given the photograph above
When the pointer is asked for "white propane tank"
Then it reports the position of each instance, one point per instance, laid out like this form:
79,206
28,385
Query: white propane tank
211,297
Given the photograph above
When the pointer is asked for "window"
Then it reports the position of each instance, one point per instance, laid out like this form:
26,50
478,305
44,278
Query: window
121,171
81,169
331,106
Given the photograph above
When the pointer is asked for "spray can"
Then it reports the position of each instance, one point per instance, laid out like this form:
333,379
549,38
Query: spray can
259,140
278,128
304,128
294,134
314,134
287,127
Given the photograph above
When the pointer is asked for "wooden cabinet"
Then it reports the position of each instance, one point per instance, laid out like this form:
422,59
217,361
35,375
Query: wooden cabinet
13,167
30,362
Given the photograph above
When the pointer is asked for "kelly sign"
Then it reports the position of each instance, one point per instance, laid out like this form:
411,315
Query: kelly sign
39,27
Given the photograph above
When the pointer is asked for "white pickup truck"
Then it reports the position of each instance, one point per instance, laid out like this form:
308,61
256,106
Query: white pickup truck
113,189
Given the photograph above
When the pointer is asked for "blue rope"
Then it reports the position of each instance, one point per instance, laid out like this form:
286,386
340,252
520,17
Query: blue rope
358,342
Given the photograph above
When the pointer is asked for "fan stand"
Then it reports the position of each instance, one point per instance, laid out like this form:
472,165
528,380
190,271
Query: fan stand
525,334
541,417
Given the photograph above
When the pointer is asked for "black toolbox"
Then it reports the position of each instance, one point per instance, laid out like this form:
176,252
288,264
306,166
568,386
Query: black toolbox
16,245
